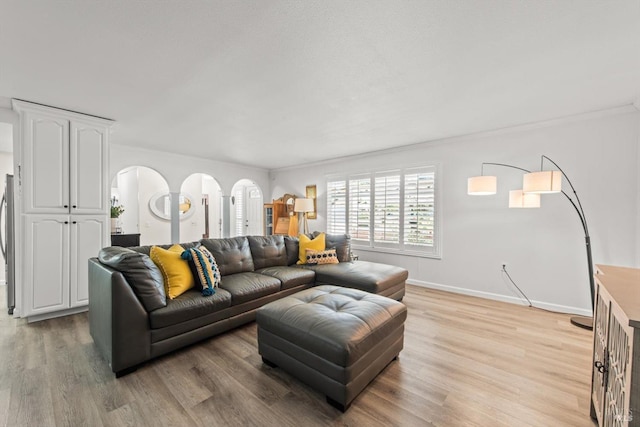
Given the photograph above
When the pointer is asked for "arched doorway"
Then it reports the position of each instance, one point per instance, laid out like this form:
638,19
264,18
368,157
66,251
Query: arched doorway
143,193
246,209
206,222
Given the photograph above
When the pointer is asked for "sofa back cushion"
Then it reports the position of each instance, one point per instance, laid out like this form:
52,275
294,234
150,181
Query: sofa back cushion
141,273
292,245
233,254
147,249
267,251
341,243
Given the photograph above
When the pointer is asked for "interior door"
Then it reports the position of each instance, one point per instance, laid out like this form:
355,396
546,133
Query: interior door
253,215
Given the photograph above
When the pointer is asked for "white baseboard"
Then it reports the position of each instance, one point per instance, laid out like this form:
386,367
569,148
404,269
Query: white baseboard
503,298
53,315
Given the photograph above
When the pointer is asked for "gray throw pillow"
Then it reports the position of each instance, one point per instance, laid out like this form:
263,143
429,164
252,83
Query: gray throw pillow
141,273
341,243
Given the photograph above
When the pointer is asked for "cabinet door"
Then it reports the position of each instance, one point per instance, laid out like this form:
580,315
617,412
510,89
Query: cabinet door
46,163
88,168
616,412
600,338
88,234
46,264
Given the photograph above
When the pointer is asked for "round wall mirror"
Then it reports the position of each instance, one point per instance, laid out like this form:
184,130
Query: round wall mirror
160,205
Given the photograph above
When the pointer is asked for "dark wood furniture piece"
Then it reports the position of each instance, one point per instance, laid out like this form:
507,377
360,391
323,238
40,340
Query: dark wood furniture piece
125,240
615,380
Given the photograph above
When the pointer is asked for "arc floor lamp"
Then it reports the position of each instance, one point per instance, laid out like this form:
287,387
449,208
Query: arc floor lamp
533,185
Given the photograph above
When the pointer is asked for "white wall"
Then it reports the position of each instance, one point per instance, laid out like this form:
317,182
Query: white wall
153,230
544,248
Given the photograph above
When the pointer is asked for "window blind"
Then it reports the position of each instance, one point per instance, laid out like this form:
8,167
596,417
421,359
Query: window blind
386,210
359,222
419,208
337,207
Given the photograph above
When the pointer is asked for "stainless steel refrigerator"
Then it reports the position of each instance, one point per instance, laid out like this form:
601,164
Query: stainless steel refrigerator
7,241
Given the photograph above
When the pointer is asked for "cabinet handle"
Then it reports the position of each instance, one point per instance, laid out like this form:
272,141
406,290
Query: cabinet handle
65,206
600,367
66,222
603,368
74,206
74,222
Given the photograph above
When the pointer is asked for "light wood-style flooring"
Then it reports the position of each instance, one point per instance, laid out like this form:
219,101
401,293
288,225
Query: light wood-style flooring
466,362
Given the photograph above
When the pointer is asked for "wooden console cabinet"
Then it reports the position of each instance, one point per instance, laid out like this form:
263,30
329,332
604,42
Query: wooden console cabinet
615,381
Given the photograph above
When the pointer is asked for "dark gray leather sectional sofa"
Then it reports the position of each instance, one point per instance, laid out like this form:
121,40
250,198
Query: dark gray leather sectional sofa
130,323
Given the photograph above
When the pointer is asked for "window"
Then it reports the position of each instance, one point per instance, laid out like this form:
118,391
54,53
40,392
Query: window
387,210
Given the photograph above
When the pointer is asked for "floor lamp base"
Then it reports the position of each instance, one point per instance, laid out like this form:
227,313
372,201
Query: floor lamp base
582,322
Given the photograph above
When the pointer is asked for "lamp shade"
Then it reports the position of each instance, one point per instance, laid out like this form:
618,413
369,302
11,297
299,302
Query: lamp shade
303,205
520,199
542,182
482,185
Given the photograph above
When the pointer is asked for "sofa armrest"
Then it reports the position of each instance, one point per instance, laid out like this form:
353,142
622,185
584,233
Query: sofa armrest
118,322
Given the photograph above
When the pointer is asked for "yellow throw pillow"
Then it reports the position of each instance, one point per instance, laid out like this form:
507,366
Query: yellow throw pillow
316,244
175,270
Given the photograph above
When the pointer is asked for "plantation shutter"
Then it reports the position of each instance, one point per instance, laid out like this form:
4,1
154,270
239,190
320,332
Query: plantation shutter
360,208
337,207
386,208
419,207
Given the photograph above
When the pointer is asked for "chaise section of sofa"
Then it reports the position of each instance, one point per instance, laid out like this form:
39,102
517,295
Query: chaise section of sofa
131,321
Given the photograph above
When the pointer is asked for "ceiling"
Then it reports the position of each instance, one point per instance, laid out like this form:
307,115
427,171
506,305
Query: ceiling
275,83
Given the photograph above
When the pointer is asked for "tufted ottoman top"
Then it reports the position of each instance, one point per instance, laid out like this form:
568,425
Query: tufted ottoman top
337,324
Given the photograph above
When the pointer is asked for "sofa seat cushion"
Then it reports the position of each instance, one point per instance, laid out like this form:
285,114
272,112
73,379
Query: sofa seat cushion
187,306
247,286
372,277
289,276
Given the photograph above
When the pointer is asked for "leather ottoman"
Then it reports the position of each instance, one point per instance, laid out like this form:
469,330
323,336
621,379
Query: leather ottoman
337,340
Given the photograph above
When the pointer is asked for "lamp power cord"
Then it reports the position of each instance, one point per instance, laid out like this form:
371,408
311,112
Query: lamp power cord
504,270
530,304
